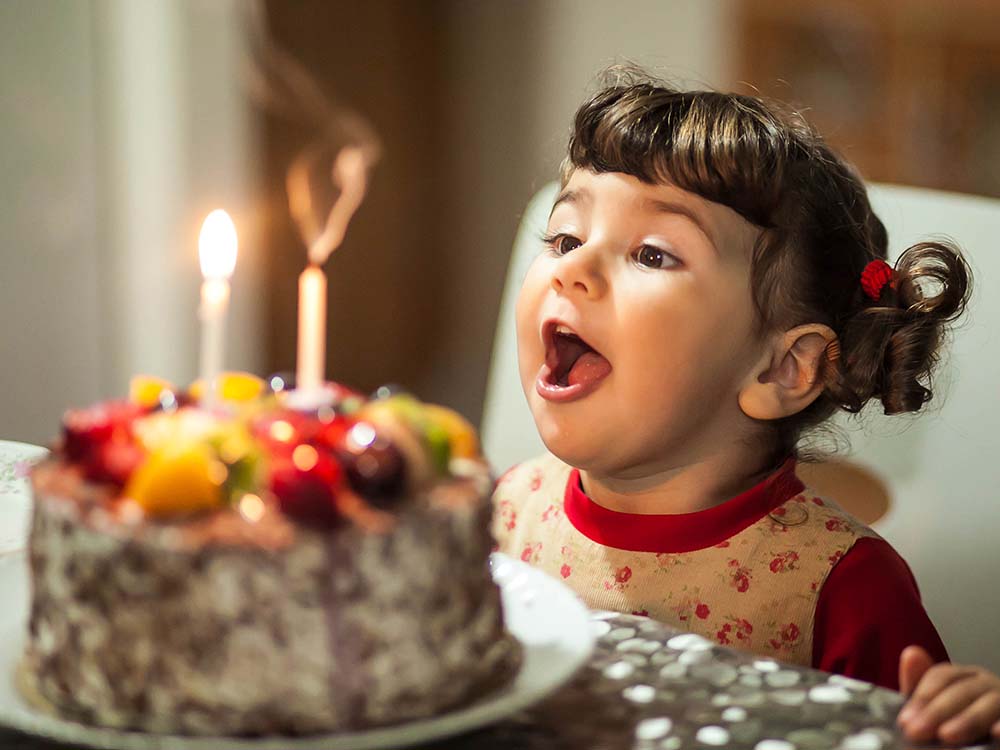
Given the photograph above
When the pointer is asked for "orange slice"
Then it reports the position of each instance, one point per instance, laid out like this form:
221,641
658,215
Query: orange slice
462,436
179,479
233,386
145,390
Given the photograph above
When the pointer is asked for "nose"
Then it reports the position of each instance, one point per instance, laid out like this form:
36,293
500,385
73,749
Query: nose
580,272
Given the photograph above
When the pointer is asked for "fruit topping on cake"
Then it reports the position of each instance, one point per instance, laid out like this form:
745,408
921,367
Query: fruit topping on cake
357,458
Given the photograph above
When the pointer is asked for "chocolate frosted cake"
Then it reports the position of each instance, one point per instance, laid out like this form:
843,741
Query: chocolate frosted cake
258,570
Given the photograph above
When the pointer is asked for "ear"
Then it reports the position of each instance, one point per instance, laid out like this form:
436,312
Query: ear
787,377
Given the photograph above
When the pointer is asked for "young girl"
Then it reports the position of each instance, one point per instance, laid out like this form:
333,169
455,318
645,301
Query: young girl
715,284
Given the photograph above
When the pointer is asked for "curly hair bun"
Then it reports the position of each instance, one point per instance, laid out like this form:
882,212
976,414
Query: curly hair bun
894,342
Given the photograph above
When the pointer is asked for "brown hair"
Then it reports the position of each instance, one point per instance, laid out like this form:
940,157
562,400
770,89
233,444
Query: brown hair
819,232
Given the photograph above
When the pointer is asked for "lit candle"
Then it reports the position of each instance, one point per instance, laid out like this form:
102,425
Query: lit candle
217,253
310,375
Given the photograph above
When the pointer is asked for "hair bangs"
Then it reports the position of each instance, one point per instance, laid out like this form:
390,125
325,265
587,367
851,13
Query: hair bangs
723,147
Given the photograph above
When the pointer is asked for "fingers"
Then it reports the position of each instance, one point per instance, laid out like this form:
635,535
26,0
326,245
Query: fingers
948,694
913,663
972,723
936,679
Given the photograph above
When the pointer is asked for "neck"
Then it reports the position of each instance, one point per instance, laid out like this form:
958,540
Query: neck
686,487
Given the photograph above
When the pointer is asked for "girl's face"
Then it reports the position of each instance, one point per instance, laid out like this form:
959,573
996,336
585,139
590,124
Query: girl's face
635,326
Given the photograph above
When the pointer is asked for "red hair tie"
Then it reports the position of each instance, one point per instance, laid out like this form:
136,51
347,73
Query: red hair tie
875,276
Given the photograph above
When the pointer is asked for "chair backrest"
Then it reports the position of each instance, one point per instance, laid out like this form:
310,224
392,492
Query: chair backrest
941,469
508,431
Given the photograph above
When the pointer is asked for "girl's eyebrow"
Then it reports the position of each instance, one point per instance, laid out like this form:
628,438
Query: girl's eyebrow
648,204
671,207
569,196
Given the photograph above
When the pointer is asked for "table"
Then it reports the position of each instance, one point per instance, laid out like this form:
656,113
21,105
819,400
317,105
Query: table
648,686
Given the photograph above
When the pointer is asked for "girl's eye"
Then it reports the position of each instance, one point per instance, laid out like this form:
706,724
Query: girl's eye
653,257
561,243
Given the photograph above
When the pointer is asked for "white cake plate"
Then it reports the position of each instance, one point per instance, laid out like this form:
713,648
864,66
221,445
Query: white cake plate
544,615
15,499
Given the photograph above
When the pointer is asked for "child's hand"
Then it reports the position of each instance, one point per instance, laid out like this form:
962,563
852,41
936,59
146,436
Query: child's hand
951,703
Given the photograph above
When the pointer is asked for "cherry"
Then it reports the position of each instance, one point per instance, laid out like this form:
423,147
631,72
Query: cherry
375,467
306,481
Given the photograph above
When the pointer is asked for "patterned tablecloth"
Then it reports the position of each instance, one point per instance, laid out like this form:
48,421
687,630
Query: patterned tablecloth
648,686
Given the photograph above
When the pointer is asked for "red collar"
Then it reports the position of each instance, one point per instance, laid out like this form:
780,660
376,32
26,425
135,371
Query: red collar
682,532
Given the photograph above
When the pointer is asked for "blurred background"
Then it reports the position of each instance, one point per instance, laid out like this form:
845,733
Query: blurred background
126,121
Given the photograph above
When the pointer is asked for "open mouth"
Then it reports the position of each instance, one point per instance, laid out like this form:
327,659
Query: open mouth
572,367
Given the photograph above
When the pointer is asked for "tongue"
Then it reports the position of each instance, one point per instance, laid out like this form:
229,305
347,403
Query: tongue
588,368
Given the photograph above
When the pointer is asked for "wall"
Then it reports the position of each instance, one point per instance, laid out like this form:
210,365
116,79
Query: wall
123,126
49,306
382,60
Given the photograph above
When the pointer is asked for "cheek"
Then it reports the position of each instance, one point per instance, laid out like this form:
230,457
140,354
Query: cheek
529,295
523,311
686,348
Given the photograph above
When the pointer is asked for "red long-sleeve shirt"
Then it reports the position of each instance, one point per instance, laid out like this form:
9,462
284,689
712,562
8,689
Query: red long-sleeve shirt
869,607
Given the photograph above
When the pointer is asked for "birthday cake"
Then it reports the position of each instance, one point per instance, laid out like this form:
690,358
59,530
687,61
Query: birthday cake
256,569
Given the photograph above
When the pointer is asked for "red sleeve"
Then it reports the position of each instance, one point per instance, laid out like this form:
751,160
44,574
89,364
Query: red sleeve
869,610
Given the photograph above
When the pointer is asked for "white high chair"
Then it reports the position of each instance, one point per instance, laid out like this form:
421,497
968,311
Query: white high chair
940,469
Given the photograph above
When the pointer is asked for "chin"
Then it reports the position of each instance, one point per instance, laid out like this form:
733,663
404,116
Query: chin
579,452
565,435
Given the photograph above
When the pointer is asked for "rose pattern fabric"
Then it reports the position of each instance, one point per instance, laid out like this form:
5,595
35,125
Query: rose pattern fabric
739,576
730,593
508,516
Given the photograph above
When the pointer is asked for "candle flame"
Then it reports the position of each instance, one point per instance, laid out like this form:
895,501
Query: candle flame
217,245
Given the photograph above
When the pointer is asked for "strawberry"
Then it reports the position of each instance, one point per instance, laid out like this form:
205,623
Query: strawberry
113,461
85,430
